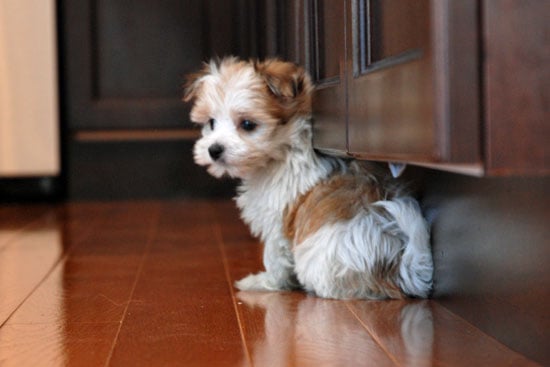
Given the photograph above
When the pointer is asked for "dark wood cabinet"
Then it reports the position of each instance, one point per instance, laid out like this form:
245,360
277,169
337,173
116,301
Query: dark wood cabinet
459,86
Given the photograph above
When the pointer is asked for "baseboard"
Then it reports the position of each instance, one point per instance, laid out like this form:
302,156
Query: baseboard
26,189
140,169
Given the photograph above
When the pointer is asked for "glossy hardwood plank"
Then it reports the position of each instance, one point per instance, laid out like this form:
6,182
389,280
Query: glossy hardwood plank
74,315
40,236
425,333
404,329
80,291
26,260
57,325
56,345
182,312
293,329
188,328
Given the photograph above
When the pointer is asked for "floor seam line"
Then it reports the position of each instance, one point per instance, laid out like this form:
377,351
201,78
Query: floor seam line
59,261
150,237
374,337
62,259
223,254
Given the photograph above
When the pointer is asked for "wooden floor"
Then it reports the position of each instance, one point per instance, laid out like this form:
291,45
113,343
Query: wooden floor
150,284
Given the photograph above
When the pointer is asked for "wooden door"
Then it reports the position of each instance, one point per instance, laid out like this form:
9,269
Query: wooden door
125,61
123,67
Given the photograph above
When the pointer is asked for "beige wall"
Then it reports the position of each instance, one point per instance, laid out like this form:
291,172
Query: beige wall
29,122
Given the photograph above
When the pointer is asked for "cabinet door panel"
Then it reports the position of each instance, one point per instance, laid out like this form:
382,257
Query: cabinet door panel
327,39
390,114
390,105
414,92
390,28
517,87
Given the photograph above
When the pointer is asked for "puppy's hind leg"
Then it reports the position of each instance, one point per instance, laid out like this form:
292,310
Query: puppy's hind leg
350,259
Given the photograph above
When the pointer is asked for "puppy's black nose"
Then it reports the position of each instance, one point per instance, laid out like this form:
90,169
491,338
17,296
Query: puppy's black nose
215,151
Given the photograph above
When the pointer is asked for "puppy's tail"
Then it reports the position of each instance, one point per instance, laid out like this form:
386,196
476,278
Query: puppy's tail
416,268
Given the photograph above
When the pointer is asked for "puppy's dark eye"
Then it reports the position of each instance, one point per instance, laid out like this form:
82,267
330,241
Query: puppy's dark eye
212,122
248,125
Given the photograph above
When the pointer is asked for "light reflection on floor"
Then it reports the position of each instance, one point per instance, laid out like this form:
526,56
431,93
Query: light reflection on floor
25,258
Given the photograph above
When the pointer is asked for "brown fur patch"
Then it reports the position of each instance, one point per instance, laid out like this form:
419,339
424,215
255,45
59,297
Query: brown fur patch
386,273
290,88
336,199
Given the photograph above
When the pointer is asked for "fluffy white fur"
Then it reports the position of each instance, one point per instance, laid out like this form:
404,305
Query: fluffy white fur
277,165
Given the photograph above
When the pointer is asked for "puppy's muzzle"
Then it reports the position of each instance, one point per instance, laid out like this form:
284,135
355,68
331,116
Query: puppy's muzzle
216,151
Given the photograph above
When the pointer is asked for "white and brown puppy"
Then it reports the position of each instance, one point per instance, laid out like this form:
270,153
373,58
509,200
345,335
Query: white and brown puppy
329,225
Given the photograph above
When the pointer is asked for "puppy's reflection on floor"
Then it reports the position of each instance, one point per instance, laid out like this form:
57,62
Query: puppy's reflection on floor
405,329
307,330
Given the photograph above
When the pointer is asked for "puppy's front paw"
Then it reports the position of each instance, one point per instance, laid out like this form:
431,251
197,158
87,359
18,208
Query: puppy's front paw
258,282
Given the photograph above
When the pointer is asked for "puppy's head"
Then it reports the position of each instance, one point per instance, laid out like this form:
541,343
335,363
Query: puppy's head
248,111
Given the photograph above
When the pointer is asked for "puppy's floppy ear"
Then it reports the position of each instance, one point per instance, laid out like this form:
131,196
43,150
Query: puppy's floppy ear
284,79
193,82
287,82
